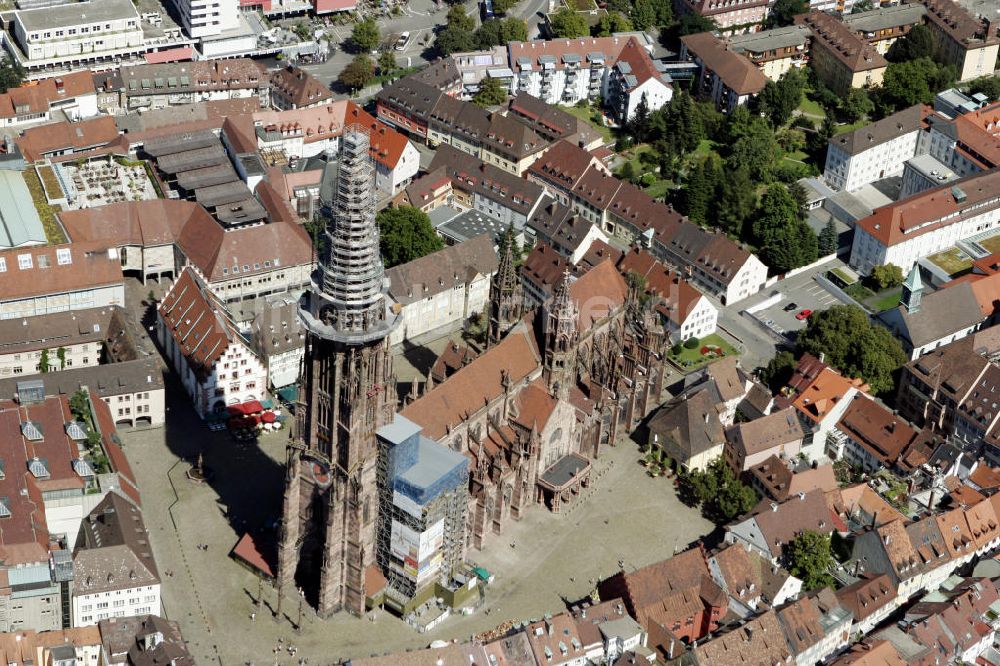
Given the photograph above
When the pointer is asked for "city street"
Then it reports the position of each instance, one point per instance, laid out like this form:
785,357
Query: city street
625,515
420,18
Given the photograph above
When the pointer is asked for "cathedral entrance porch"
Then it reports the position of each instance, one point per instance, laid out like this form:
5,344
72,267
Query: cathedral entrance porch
563,481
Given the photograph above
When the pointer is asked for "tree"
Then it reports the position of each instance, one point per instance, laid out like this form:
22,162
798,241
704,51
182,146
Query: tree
987,85
387,63
857,105
721,494
643,14
365,36
627,172
736,198
503,6
568,24
692,23
61,355
816,142
611,23
862,6
786,241
778,100
784,11
406,234
79,405
828,239
754,150
491,92
664,12
777,373
912,82
699,191
457,18
501,31
886,276
458,34
11,74
853,345
43,361
918,43
809,559
358,73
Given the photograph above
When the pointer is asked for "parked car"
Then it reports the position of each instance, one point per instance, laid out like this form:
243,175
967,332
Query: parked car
403,40
791,306
804,314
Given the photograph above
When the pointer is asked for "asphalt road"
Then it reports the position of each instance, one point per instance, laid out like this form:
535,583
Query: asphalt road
421,19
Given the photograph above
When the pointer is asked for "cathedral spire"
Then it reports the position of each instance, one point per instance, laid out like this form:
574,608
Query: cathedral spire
561,335
506,300
349,301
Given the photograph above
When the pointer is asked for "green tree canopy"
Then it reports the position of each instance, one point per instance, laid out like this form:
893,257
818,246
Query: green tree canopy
913,82
987,85
784,11
754,149
11,74
458,34
885,276
406,234
495,32
503,6
778,100
611,23
857,105
698,194
491,92
735,200
918,43
365,36
828,239
809,559
853,345
720,493
692,23
786,241
568,24
777,373
387,62
643,14
358,73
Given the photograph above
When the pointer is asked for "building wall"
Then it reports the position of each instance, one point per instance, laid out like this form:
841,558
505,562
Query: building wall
86,41
28,362
846,172
867,251
283,368
205,18
89,609
445,310
138,407
97,297
278,280
701,321
39,609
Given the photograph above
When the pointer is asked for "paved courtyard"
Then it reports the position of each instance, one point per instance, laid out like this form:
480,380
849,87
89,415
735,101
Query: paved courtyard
625,515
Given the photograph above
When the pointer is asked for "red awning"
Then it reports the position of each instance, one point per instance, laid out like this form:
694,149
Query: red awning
170,55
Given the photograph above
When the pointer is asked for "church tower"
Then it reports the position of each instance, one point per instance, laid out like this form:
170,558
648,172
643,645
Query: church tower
506,299
561,335
913,288
347,392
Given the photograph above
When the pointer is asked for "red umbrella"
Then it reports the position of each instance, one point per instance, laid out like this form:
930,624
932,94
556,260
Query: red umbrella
268,417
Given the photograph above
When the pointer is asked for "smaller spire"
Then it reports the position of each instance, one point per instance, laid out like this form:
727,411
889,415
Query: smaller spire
913,289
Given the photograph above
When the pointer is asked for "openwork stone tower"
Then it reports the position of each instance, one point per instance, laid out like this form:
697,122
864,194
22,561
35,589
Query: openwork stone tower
347,392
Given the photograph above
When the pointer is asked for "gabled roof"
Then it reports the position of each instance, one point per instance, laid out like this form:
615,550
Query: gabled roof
443,270
471,388
780,523
759,641
299,86
598,293
197,321
112,550
734,69
877,429
767,432
691,423
867,596
53,138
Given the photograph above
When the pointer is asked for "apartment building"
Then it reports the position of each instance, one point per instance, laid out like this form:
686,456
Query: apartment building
114,573
72,93
295,88
157,86
883,26
207,18
841,59
619,69
732,16
774,51
726,77
91,34
962,39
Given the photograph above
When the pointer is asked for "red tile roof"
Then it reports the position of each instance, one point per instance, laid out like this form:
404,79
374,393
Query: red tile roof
598,293
92,265
38,96
37,142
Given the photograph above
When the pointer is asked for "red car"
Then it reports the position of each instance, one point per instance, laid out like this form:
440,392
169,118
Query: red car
803,315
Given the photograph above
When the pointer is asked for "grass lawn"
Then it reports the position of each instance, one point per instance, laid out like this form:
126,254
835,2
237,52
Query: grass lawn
691,359
811,108
992,244
850,127
46,213
658,189
952,261
859,292
886,300
585,114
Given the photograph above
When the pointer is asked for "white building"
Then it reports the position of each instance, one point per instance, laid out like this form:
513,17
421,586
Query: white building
114,573
72,93
60,340
567,71
439,292
875,151
279,339
216,365
901,233
56,278
207,18
85,34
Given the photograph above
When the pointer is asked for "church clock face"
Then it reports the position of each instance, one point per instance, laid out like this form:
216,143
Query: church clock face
320,473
